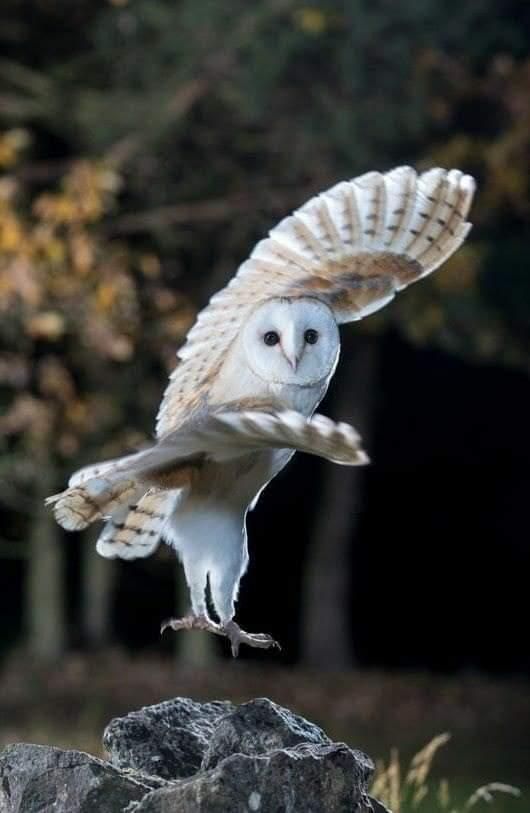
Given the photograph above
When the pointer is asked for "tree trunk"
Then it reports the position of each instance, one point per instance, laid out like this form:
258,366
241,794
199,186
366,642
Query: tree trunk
44,595
97,575
326,634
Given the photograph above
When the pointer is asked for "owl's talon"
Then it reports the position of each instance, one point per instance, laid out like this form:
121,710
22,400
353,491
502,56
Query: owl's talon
190,622
231,630
237,636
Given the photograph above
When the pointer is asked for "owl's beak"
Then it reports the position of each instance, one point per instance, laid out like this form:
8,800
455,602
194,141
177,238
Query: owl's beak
289,346
293,361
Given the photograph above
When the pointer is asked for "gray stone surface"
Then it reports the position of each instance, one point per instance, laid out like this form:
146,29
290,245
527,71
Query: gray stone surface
308,778
167,740
256,727
187,757
377,806
39,778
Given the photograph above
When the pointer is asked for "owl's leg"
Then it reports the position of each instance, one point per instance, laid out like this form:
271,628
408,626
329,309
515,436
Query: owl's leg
198,618
224,586
196,578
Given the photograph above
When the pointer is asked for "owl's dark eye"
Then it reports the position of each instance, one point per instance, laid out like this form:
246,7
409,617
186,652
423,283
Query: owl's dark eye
271,338
311,336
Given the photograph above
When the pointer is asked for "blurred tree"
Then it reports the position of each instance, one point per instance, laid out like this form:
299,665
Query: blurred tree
97,585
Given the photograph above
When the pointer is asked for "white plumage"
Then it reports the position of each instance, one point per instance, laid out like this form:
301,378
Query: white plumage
254,368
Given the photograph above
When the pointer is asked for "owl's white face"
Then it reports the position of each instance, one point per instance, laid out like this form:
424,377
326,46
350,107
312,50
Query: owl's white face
292,341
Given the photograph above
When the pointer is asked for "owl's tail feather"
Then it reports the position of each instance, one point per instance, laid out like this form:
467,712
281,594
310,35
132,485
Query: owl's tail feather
135,513
96,498
134,531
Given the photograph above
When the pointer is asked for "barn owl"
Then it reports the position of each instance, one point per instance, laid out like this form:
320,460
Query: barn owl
251,373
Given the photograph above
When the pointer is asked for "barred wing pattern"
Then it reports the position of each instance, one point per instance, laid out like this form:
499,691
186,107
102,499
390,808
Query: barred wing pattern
134,531
353,246
228,434
138,492
225,435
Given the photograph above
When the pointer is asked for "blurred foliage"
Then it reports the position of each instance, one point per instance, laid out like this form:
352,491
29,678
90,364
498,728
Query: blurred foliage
73,312
147,144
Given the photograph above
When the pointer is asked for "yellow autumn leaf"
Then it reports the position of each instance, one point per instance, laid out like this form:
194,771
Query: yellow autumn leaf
149,265
311,20
12,143
56,208
106,295
81,252
46,245
11,233
76,412
120,348
48,325
8,189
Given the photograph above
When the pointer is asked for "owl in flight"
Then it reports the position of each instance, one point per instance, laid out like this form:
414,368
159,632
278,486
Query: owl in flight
251,373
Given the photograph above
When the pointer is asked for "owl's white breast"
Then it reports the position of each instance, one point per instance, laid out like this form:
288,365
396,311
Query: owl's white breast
210,517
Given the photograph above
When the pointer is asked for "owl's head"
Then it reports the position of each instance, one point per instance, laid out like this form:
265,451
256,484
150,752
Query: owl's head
292,341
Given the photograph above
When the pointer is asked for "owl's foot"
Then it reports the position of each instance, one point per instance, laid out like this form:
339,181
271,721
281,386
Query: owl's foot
231,630
191,622
237,636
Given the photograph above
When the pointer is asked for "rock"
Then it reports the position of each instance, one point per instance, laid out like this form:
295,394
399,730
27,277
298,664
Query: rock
309,778
194,758
38,778
168,740
256,727
377,806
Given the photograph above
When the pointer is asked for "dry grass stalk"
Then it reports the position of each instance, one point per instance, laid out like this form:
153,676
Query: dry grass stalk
405,791
486,793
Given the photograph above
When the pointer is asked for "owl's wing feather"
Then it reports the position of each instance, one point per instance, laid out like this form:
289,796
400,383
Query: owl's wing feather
130,491
252,430
353,246
100,470
225,435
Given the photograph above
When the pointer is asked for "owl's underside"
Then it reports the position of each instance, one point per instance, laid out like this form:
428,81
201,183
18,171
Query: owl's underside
253,370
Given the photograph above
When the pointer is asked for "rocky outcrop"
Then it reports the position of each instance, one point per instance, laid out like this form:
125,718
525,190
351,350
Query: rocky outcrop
168,740
40,778
305,779
257,727
187,757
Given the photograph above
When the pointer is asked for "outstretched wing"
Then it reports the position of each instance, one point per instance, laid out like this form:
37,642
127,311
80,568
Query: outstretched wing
114,489
352,246
225,435
318,435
